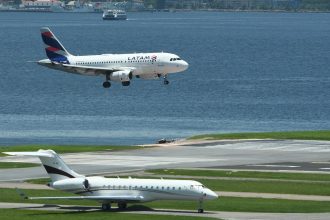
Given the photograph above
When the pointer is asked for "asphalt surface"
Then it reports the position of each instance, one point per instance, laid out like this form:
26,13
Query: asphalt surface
274,155
237,154
140,209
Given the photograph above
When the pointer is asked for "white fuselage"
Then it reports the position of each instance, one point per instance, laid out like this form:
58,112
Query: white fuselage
147,189
144,65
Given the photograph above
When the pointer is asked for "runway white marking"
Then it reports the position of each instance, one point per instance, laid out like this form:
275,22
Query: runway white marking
320,162
271,165
325,168
276,146
117,160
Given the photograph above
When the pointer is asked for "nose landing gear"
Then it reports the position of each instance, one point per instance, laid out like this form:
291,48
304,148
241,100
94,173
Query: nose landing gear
200,206
166,82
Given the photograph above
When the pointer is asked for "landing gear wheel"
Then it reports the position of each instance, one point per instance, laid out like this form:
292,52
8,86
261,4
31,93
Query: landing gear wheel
106,85
122,205
126,83
106,206
166,82
200,210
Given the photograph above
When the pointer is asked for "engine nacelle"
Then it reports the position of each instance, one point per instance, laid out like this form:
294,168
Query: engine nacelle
72,183
121,76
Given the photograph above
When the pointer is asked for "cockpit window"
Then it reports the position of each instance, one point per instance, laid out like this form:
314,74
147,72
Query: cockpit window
174,59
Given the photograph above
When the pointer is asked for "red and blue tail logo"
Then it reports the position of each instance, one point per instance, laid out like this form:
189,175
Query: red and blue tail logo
54,49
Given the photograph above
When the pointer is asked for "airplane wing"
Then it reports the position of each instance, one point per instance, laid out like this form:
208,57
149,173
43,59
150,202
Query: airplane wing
92,70
97,198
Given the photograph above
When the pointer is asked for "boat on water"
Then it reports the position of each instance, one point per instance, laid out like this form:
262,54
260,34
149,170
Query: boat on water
114,15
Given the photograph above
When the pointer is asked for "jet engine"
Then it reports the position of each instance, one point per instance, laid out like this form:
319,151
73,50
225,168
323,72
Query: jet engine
121,76
72,183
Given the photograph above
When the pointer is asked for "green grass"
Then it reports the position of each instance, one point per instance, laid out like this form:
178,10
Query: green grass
42,181
282,187
221,204
244,174
14,214
67,148
296,135
236,204
8,165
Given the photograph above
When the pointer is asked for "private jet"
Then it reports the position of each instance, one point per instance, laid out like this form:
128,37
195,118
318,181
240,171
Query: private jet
114,67
115,190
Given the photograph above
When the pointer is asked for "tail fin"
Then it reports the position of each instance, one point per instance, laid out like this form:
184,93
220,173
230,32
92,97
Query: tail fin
54,49
54,165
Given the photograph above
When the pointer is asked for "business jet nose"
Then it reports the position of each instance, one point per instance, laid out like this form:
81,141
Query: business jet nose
210,194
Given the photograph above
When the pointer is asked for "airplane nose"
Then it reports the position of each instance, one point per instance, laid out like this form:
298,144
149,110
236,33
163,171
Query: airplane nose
184,65
210,194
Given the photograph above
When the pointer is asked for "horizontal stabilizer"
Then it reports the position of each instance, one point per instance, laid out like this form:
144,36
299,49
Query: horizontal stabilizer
35,153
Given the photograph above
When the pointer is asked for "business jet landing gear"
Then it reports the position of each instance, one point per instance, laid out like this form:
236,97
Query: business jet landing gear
200,206
122,205
106,206
107,84
166,82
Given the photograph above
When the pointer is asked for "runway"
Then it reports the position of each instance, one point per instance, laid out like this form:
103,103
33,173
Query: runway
238,154
140,209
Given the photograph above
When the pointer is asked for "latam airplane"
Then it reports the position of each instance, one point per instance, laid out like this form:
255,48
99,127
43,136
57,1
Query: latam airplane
114,67
115,190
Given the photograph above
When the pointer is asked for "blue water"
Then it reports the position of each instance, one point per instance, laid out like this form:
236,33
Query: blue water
248,72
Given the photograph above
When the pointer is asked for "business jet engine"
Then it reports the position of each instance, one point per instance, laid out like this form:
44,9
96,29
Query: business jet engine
72,183
121,76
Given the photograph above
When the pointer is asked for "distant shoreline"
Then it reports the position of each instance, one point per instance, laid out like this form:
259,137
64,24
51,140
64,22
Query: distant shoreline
172,11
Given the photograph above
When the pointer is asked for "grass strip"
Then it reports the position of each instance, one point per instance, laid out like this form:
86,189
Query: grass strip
284,135
14,214
221,204
8,165
236,204
244,174
68,148
279,187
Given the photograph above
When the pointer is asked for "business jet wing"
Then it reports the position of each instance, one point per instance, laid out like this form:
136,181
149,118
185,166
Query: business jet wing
97,198
93,70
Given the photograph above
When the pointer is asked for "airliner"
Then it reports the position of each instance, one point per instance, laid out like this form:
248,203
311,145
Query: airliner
114,67
115,190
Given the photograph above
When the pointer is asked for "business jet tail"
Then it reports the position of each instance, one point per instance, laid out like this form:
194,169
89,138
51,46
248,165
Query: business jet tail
54,165
54,49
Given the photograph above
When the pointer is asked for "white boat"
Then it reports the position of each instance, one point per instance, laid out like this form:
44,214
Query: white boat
114,15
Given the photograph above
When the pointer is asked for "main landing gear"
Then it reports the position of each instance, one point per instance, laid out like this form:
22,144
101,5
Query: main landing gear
106,206
107,84
122,205
166,82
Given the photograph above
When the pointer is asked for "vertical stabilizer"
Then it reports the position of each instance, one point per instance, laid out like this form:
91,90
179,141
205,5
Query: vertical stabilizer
54,49
53,164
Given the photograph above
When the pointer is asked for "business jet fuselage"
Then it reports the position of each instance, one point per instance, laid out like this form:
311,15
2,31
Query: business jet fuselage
115,67
115,190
